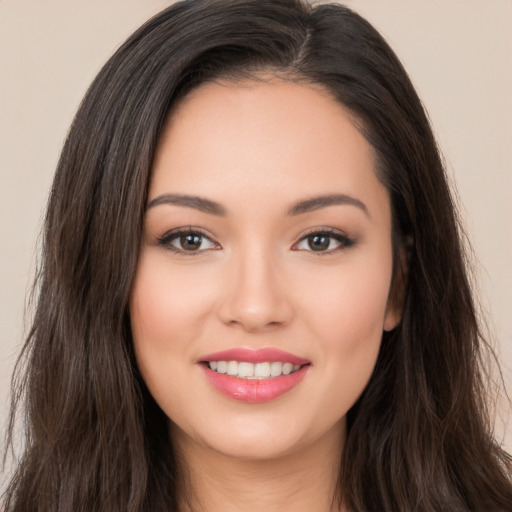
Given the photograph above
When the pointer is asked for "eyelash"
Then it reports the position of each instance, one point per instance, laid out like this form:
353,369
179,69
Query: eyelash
344,241
165,240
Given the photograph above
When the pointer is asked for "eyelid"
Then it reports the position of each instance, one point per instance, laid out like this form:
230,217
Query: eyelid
165,240
345,241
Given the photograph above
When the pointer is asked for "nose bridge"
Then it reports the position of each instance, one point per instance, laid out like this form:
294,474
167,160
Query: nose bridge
255,297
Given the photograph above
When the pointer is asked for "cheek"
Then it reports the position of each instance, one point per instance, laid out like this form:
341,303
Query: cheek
167,304
347,323
165,316
349,305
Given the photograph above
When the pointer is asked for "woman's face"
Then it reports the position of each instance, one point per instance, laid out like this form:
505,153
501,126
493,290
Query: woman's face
266,252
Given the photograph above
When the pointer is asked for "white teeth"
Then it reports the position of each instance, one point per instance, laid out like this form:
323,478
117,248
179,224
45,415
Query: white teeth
232,368
287,368
276,369
222,366
262,370
245,370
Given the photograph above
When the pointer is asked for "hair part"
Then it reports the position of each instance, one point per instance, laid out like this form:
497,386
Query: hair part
419,437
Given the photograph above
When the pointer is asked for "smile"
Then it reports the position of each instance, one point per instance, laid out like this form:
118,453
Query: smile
255,371
254,375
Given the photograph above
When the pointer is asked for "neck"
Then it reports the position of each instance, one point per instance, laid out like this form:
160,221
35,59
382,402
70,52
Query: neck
301,481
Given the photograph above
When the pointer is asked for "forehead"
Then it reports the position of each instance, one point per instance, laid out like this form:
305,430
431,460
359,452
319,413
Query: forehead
256,138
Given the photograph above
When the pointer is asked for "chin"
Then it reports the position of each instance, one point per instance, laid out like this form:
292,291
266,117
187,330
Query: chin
253,447
258,438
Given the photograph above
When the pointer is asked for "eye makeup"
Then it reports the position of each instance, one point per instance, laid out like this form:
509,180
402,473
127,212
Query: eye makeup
191,241
324,241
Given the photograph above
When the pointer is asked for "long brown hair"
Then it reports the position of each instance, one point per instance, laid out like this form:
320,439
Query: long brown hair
420,436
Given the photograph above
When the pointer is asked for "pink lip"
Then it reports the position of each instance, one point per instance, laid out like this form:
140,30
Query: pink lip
251,355
254,390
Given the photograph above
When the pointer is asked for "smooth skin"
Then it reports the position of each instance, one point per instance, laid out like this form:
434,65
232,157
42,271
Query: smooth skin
253,271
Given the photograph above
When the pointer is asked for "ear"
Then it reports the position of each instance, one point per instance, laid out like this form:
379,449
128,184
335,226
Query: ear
392,318
395,305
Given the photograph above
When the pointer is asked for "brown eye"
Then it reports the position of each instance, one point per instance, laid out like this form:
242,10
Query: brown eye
187,242
319,242
190,242
326,242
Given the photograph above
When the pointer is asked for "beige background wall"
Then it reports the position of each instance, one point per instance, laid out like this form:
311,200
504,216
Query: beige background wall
458,53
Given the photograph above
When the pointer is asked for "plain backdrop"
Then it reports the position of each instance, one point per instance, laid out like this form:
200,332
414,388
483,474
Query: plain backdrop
457,52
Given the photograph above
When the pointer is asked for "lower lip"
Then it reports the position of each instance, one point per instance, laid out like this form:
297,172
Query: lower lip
254,390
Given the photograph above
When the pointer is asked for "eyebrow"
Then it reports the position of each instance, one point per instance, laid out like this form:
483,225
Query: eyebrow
196,202
208,206
316,203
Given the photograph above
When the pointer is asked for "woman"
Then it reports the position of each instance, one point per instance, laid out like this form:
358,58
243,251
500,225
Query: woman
253,293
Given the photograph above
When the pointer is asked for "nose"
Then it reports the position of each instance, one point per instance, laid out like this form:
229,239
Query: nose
256,297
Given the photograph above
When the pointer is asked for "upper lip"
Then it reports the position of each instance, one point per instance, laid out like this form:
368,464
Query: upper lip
252,355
